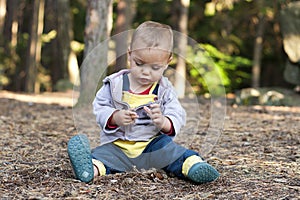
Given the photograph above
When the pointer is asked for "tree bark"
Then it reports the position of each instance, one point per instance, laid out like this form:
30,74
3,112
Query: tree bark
9,33
73,68
98,27
2,15
59,20
182,44
3,78
125,14
8,23
31,68
258,46
34,47
63,37
19,72
10,28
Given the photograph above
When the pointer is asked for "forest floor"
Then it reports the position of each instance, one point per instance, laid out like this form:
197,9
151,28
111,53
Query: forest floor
257,154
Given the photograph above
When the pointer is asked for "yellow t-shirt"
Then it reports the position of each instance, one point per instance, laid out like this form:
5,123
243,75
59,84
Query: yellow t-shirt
135,100
134,148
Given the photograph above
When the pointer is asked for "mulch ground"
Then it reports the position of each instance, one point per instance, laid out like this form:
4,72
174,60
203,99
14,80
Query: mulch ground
258,156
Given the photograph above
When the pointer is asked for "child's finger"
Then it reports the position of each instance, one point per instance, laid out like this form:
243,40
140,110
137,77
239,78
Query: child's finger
156,110
133,115
154,105
148,110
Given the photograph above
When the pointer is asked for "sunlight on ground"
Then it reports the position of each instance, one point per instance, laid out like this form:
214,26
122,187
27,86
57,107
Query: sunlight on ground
59,98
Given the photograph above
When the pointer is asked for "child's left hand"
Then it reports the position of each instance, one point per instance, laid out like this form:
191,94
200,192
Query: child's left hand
159,120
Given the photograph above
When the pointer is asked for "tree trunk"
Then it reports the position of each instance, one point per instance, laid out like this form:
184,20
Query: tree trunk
9,34
73,68
3,78
19,72
59,20
31,67
63,37
182,44
125,14
258,45
8,24
34,47
10,29
2,15
98,25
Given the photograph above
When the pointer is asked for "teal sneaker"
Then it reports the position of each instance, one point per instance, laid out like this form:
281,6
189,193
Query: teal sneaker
81,159
202,172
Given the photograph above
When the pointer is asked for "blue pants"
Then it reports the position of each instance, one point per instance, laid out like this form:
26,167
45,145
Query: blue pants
175,167
156,144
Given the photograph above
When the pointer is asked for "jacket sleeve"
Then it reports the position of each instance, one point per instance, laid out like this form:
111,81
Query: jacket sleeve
172,109
103,108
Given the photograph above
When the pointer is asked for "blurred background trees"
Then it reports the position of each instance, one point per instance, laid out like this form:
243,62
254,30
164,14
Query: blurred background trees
43,42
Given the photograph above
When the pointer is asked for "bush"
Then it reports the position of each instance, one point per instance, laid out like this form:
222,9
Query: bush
207,65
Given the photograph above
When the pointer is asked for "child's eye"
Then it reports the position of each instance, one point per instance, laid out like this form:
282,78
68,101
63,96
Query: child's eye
138,63
156,67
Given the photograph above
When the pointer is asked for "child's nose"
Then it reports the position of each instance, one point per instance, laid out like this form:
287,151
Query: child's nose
145,70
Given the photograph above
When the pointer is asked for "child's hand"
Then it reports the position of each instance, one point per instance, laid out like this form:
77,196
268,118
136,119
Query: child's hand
124,117
159,120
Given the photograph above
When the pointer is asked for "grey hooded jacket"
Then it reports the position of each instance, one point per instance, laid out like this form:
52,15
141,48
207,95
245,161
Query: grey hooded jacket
109,99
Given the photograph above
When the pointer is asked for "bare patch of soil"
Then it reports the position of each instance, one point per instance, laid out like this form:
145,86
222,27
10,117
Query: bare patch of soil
257,155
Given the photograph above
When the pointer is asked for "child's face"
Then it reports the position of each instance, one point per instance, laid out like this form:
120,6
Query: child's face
148,65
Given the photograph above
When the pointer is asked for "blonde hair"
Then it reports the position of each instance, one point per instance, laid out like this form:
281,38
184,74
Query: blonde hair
152,34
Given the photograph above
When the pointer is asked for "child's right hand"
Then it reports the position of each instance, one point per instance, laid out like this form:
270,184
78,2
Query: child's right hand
124,117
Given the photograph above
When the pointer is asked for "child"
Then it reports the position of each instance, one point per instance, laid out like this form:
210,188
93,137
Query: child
140,115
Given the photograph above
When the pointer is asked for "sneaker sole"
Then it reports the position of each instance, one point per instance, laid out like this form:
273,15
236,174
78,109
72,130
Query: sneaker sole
80,155
203,173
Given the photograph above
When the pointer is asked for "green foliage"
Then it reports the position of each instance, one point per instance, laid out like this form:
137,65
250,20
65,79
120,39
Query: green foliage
47,37
3,77
230,29
154,10
209,68
78,9
8,64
